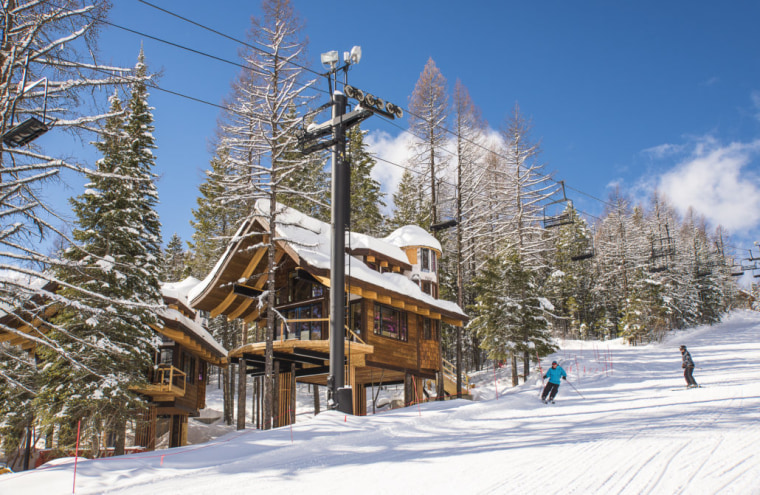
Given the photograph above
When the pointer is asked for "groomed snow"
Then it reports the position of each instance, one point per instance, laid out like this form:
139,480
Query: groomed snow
636,431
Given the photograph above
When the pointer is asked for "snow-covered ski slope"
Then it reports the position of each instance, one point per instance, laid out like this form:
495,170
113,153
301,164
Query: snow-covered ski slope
631,434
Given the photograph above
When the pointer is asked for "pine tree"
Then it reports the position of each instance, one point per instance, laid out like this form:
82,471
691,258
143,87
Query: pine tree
507,313
305,186
366,197
408,205
118,256
175,257
40,40
571,277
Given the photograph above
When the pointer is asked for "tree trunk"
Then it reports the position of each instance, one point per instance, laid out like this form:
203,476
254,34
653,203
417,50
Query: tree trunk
293,393
275,402
120,436
526,366
242,383
226,393
515,377
315,387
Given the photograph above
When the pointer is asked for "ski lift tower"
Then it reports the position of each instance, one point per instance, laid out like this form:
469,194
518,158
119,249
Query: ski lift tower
332,134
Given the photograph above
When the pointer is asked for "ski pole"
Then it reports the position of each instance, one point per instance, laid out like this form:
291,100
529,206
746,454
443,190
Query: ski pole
576,390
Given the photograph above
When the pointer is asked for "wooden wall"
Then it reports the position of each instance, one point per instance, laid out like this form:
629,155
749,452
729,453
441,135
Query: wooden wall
415,354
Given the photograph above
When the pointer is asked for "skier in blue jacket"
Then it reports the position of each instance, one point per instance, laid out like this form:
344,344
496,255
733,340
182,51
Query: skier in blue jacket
554,374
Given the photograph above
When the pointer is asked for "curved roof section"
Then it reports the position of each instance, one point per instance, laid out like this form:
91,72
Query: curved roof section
307,240
413,235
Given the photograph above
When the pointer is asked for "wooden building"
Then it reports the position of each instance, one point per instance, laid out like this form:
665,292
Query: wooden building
177,384
394,316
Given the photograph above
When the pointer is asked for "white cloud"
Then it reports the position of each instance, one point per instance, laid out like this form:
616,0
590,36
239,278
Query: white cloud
711,81
756,103
394,149
664,150
716,180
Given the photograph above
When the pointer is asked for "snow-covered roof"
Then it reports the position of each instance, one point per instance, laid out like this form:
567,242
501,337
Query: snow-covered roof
413,235
193,327
179,291
309,238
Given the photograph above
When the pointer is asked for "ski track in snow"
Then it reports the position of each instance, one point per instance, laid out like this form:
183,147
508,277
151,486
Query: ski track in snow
632,434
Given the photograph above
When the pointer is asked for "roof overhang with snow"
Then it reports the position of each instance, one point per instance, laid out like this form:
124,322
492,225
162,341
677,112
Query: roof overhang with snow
307,242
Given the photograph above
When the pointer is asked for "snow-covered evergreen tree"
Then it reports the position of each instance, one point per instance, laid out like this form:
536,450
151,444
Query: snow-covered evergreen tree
366,197
408,204
117,255
508,313
175,261
55,41
304,183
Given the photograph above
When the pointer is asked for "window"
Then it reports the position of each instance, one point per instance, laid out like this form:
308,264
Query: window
424,260
355,318
201,371
430,329
188,366
302,287
390,323
304,330
166,356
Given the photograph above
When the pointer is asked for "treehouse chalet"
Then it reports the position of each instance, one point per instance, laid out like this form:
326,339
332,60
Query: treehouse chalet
176,386
393,318
177,383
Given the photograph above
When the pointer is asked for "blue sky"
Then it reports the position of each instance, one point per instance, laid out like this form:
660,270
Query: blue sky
638,94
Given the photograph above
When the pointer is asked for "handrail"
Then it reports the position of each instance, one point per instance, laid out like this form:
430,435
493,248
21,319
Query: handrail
163,368
449,370
355,336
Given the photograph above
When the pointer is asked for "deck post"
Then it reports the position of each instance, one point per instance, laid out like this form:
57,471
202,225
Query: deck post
276,394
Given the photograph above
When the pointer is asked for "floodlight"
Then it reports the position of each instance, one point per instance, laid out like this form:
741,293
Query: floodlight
356,54
330,59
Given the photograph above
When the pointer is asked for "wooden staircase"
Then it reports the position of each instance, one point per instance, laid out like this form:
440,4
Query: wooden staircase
450,381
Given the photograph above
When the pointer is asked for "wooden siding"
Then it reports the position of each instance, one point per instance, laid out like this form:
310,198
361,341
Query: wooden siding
429,355
391,351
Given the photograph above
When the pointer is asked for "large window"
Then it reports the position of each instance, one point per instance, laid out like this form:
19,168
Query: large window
390,323
302,287
304,330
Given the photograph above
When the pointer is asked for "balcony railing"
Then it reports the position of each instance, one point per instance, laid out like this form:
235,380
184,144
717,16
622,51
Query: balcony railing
168,383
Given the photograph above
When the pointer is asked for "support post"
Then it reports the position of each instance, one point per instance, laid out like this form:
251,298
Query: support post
339,218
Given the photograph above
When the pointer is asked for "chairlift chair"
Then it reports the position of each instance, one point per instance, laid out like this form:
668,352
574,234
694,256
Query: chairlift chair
564,217
736,271
587,249
31,128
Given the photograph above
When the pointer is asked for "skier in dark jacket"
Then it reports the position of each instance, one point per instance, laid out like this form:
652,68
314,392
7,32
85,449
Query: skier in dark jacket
688,368
554,374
